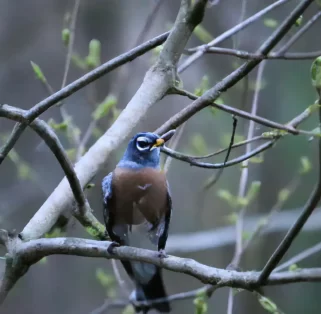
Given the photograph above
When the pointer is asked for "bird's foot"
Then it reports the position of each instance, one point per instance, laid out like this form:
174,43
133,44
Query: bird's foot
112,246
162,254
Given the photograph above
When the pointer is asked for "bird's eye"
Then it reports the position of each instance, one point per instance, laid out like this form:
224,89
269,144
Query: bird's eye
142,144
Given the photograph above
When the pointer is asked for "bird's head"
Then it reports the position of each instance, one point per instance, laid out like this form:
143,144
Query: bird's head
143,150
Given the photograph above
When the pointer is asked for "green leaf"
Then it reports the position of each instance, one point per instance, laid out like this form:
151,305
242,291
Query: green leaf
283,195
256,159
62,126
93,58
246,235
97,133
36,69
200,305
103,108
226,139
104,278
270,23
268,305
202,34
294,267
55,233
305,165
316,73
65,36
24,171
71,153
227,196
254,85
79,62
198,144
203,87
90,186
253,191
232,218
299,21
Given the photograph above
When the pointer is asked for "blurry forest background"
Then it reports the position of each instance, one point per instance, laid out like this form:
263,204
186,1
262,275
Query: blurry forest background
31,31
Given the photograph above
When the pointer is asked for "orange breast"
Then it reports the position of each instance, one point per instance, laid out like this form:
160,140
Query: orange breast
139,195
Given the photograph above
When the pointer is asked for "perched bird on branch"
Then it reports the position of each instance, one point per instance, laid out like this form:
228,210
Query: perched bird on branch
136,196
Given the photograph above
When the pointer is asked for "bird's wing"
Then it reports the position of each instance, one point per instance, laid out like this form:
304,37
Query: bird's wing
159,235
107,193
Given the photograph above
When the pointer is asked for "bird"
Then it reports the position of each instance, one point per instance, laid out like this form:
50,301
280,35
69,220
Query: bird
135,194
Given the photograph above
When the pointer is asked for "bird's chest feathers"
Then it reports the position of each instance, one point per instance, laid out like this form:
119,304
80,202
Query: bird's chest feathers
139,192
132,185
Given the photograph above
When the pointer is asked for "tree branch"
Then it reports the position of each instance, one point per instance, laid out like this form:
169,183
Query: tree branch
298,225
212,94
27,253
158,80
77,85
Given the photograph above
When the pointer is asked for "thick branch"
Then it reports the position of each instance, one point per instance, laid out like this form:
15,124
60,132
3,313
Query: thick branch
32,251
212,94
158,80
77,85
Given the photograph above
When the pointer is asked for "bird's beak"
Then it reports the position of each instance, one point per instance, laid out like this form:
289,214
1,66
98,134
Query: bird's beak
159,142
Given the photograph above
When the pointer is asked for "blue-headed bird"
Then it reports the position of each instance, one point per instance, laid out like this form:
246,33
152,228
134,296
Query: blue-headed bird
137,193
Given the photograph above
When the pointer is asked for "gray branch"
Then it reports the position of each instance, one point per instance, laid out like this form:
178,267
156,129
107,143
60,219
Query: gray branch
158,80
21,255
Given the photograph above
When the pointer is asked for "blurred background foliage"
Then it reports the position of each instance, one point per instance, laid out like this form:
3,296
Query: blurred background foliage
37,31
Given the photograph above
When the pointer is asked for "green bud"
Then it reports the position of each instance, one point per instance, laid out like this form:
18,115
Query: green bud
299,21
283,195
268,305
270,23
103,108
93,58
39,75
202,34
305,165
65,36
294,267
316,73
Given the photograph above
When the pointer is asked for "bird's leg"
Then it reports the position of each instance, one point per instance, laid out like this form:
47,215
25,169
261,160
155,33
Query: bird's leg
111,247
162,253
116,240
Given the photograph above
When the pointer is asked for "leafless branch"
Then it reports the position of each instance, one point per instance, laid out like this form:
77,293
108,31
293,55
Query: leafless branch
73,87
199,51
30,252
158,80
212,94
298,225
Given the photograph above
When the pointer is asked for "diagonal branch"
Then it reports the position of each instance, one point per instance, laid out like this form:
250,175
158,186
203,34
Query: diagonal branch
298,225
212,94
158,80
77,85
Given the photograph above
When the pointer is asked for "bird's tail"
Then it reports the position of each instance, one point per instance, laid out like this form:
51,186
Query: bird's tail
148,290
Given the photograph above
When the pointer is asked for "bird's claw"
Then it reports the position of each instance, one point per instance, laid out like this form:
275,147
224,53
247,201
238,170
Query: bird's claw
112,246
162,254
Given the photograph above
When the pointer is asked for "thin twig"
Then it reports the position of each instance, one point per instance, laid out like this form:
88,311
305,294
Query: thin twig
230,80
298,34
297,226
207,165
52,141
71,41
200,50
71,88
299,257
229,149
238,113
241,54
243,184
